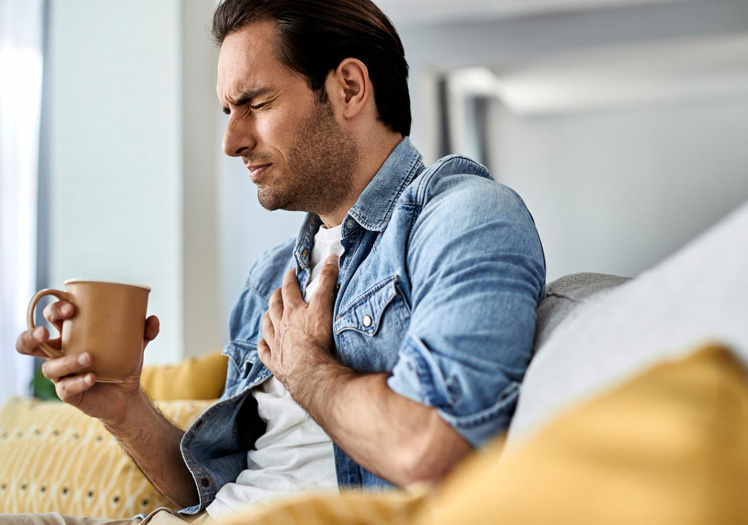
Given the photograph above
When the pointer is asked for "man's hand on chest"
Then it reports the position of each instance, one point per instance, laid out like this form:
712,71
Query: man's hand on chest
297,338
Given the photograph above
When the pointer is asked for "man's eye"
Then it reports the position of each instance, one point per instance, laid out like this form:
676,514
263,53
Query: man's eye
258,106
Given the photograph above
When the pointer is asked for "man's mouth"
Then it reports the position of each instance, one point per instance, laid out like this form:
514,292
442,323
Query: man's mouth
257,170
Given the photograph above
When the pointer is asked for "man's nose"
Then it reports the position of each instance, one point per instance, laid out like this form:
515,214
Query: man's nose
238,138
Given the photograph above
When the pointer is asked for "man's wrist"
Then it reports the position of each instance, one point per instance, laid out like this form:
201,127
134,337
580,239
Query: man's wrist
134,407
322,381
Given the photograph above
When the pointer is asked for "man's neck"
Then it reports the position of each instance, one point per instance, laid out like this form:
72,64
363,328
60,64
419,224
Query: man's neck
372,157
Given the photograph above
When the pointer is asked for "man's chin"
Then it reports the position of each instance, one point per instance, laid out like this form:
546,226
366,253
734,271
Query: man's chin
273,202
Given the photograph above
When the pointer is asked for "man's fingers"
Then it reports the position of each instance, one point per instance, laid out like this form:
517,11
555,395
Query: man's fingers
58,311
275,306
152,328
56,369
290,291
263,351
72,386
28,342
324,297
268,330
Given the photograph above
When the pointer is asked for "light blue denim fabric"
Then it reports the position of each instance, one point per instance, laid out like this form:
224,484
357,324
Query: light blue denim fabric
442,272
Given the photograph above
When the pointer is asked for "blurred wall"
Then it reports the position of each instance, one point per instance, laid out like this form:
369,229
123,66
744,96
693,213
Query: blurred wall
131,158
612,190
616,191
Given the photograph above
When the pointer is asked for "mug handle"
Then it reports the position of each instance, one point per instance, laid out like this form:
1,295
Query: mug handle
46,347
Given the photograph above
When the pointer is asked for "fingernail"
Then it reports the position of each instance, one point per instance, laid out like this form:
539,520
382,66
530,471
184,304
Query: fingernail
67,309
38,332
83,359
333,259
90,379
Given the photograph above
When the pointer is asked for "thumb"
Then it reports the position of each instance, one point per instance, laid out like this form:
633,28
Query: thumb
152,328
324,297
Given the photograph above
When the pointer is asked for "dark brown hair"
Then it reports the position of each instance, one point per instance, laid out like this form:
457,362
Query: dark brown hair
316,35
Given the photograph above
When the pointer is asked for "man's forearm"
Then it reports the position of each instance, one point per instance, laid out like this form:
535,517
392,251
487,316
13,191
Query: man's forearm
152,441
386,433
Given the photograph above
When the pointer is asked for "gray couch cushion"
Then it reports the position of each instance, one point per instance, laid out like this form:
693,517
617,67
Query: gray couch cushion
696,295
563,296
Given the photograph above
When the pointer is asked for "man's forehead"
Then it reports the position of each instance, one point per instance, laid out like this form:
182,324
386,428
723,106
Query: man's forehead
247,60
256,41
248,63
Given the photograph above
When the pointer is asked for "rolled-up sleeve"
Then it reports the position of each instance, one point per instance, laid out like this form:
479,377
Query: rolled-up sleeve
477,273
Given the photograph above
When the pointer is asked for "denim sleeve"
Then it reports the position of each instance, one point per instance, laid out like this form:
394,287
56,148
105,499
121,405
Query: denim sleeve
477,273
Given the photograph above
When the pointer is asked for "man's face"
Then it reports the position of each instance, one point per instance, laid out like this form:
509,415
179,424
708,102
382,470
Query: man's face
297,154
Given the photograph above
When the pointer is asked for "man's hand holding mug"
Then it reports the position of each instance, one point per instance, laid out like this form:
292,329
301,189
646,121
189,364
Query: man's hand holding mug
96,362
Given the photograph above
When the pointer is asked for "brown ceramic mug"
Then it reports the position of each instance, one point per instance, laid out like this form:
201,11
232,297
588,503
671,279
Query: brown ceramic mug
109,322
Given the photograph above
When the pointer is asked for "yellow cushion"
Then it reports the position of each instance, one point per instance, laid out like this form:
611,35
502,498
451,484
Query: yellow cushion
194,378
667,447
392,507
54,458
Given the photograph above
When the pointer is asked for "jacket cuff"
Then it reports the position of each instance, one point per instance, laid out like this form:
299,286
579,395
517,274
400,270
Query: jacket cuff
418,376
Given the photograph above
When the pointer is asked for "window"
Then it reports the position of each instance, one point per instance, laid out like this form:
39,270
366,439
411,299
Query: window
21,30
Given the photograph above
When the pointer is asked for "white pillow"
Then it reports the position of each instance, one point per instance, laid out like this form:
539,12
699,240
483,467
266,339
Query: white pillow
698,294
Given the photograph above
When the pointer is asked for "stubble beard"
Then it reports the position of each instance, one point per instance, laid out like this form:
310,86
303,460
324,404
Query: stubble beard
319,174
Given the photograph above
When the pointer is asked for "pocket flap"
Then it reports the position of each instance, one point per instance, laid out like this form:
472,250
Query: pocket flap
365,312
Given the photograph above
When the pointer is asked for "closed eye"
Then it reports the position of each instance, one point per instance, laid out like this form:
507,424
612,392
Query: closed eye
247,98
255,106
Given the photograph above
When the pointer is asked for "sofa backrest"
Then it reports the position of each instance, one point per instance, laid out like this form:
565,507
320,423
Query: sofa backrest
566,294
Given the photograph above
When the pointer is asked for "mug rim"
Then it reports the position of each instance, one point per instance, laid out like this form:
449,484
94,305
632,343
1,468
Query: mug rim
79,280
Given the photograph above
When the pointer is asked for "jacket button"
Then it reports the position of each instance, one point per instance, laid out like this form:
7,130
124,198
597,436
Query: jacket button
367,321
205,482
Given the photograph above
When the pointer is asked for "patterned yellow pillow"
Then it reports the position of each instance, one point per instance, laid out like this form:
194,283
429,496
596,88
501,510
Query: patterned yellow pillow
54,458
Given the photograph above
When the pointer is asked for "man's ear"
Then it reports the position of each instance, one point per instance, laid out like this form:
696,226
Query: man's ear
350,86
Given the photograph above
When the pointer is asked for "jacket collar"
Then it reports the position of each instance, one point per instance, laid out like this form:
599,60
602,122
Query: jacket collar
375,204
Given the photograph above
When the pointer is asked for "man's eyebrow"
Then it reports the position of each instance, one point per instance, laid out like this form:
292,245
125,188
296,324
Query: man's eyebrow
246,97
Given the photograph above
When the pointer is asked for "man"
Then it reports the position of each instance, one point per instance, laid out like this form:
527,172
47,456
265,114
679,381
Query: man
421,283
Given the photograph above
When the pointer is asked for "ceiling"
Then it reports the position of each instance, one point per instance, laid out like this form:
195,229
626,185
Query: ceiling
670,71
435,11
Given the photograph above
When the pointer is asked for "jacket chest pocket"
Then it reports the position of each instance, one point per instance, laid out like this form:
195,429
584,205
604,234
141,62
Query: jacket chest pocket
370,328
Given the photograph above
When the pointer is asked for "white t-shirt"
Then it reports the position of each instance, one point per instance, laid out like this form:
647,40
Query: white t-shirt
294,453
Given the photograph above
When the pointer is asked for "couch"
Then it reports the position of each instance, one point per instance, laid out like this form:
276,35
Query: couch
54,458
634,410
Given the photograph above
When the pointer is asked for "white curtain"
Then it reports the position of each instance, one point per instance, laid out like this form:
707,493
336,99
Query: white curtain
21,32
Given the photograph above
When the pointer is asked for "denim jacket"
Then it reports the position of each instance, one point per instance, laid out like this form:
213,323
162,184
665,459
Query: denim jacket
442,272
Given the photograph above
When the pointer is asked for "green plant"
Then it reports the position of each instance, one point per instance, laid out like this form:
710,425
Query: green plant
42,387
